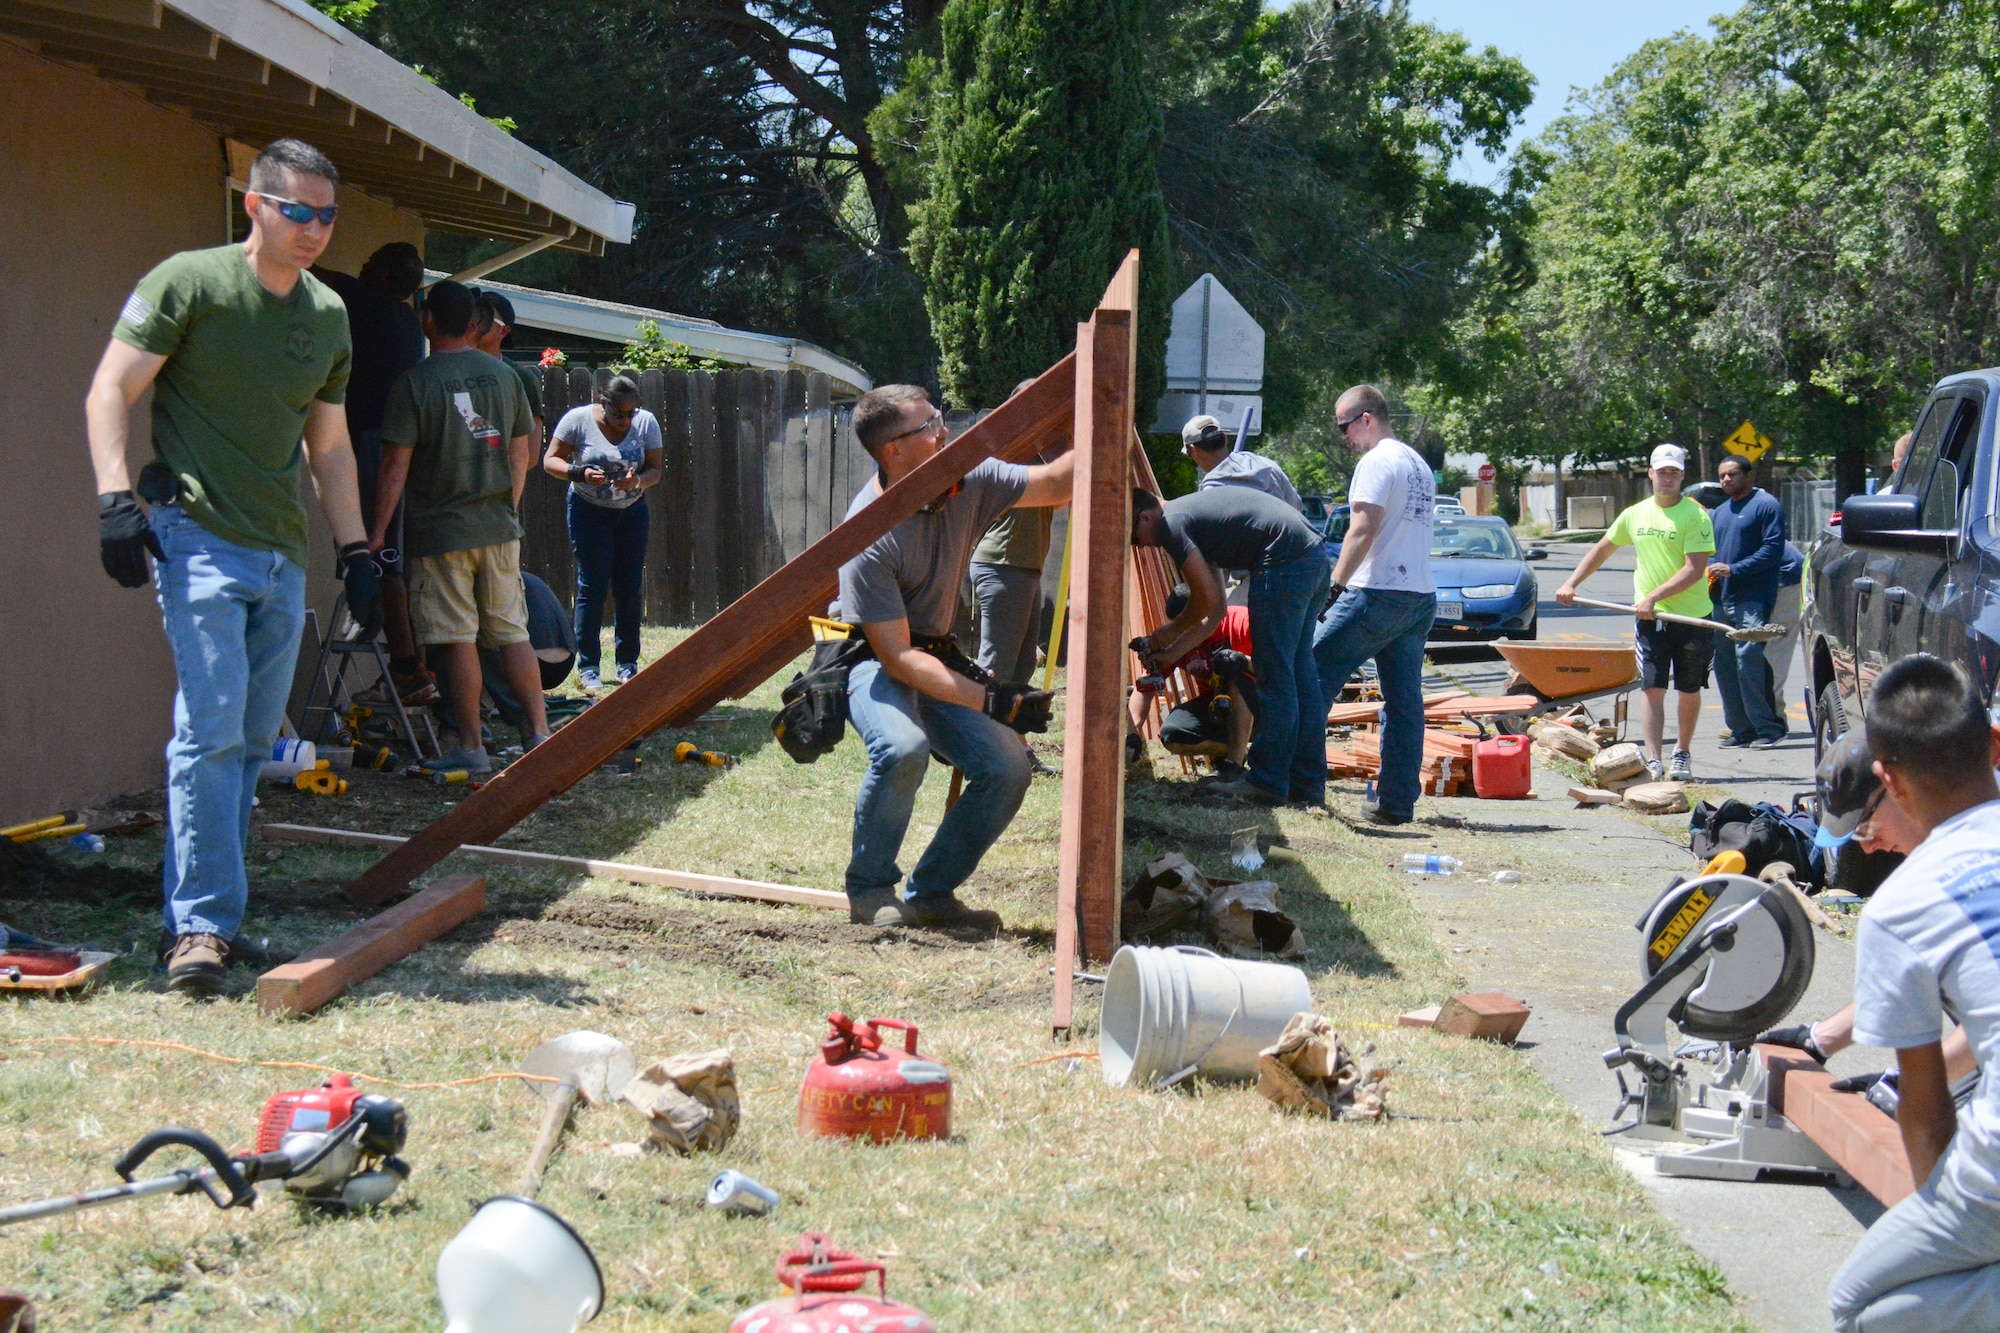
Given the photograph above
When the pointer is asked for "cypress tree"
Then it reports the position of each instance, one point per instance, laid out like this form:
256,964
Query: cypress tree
1044,144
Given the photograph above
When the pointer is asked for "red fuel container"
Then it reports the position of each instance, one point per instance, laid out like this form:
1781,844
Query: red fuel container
1500,769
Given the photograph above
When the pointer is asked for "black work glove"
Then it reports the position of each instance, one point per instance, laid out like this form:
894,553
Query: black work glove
1228,663
123,538
1022,707
1798,1037
364,588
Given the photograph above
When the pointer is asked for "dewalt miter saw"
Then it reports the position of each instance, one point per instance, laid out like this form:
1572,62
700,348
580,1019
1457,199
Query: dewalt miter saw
1724,957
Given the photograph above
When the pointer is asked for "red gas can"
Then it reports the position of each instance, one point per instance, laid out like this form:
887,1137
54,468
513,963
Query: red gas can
855,1089
828,1283
1500,769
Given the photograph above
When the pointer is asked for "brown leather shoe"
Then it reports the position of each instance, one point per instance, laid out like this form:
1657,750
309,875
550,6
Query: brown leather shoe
196,964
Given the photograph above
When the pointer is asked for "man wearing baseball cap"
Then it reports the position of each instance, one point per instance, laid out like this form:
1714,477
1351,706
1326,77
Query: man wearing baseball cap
1672,538
1215,455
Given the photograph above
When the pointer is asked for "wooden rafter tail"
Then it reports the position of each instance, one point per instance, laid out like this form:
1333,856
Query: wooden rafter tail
1123,291
319,976
1093,820
719,658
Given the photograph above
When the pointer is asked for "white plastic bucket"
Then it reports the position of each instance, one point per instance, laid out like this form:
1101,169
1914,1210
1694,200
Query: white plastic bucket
518,1268
1169,1013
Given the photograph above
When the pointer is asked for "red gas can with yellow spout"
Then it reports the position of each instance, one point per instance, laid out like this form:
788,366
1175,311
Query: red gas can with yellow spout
856,1089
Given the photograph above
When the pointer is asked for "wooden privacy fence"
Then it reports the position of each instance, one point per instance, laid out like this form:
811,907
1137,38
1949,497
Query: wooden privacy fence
758,464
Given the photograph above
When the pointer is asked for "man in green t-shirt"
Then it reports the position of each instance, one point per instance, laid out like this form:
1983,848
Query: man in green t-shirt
457,443
247,355
1672,539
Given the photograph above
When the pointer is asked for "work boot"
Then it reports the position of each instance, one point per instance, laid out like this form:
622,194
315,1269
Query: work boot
196,963
945,910
1375,814
1244,792
1224,772
879,908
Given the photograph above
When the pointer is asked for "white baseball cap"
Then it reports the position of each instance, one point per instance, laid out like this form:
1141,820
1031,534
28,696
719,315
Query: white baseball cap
1204,431
1670,455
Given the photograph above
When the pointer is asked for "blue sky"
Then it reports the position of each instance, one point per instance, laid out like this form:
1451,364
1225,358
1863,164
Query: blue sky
1564,43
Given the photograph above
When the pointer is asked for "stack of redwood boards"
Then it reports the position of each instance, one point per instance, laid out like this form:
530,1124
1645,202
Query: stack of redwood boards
1448,741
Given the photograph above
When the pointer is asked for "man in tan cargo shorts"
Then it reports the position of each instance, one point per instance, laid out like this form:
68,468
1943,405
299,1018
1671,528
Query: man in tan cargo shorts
457,442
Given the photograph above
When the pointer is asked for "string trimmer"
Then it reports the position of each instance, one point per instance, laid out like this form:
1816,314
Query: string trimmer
331,1145
1748,634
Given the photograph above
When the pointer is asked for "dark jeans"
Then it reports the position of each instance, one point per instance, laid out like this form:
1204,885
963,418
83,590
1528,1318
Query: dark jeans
1288,754
1390,627
1750,707
610,547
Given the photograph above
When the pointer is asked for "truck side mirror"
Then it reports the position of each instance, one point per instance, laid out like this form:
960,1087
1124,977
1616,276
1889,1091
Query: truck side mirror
1894,523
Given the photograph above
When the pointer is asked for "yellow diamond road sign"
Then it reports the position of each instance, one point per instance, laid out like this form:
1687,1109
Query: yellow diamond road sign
1746,442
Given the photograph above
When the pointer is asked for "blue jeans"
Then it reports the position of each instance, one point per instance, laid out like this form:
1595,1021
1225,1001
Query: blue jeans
1010,620
1288,753
610,548
1743,675
1931,1262
900,727
1390,627
233,617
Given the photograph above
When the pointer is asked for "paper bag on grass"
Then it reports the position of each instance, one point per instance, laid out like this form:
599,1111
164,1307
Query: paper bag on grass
1243,921
1657,798
689,1100
1310,1072
1169,896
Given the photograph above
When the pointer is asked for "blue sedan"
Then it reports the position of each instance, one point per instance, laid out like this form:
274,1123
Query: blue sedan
1485,589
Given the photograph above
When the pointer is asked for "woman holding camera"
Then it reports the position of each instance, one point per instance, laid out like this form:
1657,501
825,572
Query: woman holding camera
608,452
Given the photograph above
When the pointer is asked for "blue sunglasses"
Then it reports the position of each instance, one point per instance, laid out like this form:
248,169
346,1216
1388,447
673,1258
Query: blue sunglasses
291,210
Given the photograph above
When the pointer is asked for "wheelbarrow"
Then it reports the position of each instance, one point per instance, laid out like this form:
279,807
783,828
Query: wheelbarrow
1562,674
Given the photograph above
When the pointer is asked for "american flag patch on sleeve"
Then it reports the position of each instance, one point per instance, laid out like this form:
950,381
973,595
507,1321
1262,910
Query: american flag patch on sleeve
137,310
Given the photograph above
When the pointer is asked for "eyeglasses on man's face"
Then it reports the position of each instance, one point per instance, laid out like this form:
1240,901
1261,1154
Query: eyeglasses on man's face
935,421
1350,423
291,210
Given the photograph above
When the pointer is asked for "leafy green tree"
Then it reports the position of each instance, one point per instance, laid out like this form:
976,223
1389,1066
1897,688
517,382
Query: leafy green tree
1044,173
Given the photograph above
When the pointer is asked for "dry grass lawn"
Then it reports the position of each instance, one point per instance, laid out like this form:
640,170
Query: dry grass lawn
1059,1202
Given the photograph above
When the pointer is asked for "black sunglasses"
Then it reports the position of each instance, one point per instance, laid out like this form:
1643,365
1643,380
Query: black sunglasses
291,210
1348,424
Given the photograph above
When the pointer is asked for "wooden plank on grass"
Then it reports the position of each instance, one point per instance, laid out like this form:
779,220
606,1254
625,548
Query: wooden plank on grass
719,657
321,975
721,886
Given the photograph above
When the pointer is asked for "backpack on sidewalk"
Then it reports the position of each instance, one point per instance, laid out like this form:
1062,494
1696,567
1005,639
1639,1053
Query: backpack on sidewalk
1763,833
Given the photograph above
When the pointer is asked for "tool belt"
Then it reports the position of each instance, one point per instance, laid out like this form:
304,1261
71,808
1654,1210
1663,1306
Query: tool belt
812,710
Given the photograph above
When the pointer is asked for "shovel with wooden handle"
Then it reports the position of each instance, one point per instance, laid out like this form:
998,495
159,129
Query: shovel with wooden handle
1749,634
586,1065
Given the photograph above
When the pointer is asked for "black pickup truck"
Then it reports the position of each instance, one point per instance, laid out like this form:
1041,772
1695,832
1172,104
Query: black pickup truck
1915,568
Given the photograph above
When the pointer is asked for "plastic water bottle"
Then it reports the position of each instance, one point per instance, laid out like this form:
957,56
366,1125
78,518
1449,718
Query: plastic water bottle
88,842
1417,863
1506,877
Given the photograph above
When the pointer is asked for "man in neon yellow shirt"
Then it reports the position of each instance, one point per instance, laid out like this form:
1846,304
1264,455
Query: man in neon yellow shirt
1673,539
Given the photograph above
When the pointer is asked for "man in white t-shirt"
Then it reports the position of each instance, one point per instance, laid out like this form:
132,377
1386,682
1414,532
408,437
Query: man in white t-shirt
1384,599
1926,955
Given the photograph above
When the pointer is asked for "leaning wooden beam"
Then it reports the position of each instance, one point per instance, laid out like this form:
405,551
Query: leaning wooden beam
1093,814
319,977
720,886
717,660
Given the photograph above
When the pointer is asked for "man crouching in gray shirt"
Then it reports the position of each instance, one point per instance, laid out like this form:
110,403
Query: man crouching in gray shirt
918,693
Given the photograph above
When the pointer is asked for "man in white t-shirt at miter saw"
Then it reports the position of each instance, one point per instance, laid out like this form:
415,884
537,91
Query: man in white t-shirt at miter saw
1928,952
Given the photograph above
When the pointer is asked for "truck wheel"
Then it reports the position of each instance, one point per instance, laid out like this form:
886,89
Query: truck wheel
1829,722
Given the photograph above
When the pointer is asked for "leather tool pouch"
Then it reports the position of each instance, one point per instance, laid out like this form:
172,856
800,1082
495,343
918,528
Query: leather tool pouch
812,711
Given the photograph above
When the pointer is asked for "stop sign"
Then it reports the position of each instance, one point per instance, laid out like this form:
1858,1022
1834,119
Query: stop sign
1487,473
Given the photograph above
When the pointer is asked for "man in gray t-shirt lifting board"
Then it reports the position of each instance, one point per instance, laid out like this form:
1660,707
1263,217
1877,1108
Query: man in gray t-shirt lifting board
918,694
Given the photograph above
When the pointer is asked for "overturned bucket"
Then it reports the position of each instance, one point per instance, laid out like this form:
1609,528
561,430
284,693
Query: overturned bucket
1169,1013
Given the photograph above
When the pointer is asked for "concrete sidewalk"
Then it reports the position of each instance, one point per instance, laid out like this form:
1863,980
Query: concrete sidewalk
1563,940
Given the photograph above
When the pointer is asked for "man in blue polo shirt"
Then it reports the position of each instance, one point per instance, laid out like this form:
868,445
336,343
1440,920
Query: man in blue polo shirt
1749,549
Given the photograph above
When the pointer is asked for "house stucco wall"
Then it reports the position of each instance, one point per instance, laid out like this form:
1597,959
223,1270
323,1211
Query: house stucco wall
101,186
